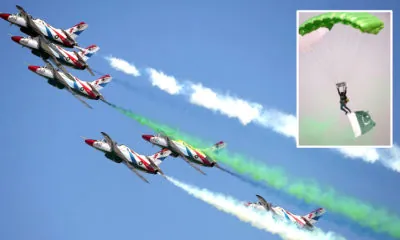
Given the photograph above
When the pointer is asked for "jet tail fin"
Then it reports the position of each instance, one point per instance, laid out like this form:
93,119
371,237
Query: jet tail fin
159,156
77,29
101,82
88,52
315,215
264,203
217,146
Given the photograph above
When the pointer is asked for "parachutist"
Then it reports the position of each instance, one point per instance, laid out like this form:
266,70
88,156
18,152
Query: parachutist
343,100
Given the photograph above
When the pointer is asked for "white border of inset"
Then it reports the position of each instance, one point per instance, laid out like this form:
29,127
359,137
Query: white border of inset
391,81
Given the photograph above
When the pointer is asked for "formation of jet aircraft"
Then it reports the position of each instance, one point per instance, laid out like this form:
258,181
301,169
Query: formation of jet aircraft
120,153
150,164
37,27
49,43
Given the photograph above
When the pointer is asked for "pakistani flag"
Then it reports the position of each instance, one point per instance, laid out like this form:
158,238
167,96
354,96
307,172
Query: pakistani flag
361,122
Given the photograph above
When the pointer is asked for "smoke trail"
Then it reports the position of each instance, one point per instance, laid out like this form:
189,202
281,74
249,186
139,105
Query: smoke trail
164,82
376,218
123,66
243,178
261,220
356,228
250,112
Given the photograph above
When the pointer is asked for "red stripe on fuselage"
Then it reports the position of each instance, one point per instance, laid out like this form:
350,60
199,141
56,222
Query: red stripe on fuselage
74,60
149,168
88,90
295,218
204,159
63,39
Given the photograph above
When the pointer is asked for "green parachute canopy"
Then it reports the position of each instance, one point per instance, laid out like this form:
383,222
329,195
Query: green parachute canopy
365,22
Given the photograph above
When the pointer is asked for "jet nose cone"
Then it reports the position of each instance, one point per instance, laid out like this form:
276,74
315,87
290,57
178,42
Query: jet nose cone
33,68
89,142
16,38
4,16
147,137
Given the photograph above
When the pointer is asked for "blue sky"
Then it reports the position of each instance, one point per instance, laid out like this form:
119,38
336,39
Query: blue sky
55,187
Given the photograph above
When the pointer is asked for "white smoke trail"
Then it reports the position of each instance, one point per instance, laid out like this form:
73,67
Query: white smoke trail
123,66
227,105
258,219
246,112
164,82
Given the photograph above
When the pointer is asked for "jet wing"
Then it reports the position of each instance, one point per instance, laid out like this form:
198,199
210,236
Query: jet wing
84,63
69,37
264,203
48,48
62,68
45,46
129,165
30,23
109,141
49,66
175,149
94,90
113,146
308,224
21,10
117,152
81,100
58,77
153,165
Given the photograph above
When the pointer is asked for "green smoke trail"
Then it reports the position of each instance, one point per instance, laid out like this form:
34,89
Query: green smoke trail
377,218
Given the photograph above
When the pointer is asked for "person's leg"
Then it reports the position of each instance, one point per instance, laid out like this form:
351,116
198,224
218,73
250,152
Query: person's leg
348,109
342,108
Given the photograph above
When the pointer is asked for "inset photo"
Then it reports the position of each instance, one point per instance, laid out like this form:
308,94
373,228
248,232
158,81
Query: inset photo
344,78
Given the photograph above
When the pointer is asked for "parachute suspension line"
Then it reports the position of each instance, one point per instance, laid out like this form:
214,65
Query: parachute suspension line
353,55
348,53
342,72
331,65
331,62
340,67
326,66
